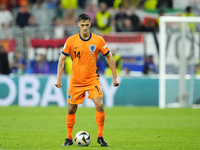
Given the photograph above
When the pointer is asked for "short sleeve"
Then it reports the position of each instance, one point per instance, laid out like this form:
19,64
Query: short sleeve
67,47
103,47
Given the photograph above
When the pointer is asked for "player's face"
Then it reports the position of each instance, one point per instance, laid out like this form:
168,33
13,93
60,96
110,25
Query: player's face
84,26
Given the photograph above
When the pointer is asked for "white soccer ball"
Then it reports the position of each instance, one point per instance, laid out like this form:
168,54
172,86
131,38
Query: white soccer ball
82,138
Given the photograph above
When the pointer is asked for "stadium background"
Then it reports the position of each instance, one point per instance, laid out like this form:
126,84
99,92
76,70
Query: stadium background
28,88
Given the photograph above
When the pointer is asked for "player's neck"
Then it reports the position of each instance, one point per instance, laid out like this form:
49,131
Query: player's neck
85,36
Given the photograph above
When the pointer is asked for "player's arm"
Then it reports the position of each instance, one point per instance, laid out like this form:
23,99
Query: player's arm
112,66
60,67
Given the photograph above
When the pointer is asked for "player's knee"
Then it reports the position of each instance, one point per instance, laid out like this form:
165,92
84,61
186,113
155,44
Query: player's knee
72,109
99,107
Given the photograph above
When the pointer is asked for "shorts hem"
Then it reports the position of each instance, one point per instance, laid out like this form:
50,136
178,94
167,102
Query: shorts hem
74,103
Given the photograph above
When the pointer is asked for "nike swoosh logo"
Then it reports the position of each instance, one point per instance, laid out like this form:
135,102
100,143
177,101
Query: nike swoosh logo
76,47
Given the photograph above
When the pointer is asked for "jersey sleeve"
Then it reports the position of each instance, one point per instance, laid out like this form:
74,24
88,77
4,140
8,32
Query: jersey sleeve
103,47
67,47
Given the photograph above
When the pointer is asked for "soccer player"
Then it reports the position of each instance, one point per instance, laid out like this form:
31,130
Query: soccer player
84,48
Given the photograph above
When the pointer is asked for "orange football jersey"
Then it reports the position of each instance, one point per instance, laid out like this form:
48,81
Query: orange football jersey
84,55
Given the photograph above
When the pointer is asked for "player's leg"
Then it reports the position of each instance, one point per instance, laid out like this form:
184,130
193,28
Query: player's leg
75,96
70,121
100,114
100,119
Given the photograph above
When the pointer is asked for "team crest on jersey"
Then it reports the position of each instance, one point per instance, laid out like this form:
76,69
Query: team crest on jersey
69,96
92,48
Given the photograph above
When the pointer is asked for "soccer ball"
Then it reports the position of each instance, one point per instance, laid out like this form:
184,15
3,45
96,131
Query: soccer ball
82,138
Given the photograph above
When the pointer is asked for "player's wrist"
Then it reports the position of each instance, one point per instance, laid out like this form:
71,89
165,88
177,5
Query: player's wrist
58,78
115,77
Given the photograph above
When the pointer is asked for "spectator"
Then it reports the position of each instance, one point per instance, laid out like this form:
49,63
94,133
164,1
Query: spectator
126,26
91,10
70,18
188,13
4,65
40,13
135,20
23,15
70,22
118,63
59,11
7,3
14,7
149,66
108,3
66,4
41,66
18,64
103,19
59,29
32,22
5,17
119,17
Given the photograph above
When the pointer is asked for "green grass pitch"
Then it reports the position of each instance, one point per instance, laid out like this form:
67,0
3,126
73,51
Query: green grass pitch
126,128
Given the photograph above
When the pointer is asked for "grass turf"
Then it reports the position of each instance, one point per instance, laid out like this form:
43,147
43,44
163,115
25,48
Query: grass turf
138,128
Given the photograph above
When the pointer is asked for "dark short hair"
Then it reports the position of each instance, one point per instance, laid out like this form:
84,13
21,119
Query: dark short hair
188,9
83,17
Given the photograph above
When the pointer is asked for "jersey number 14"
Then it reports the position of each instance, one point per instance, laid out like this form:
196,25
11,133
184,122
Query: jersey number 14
77,54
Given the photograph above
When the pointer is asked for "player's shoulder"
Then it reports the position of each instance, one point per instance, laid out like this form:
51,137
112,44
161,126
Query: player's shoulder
70,40
97,36
74,36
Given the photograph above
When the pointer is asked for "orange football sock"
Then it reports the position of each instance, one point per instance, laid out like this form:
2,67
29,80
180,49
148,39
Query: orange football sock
70,121
100,117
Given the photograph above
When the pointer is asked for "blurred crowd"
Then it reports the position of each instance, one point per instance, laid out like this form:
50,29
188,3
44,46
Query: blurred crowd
19,66
106,16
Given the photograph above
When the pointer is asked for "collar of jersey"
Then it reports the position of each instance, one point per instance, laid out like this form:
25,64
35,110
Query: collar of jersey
87,39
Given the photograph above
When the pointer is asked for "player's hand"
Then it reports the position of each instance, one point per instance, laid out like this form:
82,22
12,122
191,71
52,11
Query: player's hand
58,83
115,82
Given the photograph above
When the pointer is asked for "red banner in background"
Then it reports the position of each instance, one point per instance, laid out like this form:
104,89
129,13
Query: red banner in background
53,43
126,44
124,38
114,38
9,45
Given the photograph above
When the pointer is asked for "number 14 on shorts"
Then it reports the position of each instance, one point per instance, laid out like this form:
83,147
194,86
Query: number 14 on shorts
98,87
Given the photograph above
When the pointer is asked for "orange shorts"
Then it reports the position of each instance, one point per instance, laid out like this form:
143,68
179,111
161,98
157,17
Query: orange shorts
76,94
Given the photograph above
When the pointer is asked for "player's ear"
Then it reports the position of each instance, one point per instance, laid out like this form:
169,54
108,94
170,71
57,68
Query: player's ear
78,24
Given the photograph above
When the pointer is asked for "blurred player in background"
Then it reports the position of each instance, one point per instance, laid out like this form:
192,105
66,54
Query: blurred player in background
188,13
84,48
